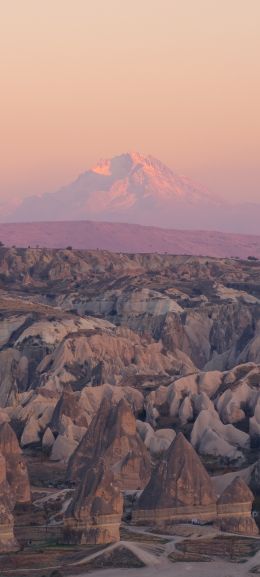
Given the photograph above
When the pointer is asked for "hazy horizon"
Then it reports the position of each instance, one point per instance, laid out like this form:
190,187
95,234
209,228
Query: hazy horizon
177,79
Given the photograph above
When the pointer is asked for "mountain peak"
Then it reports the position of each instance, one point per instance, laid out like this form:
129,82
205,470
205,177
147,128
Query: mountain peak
136,188
125,163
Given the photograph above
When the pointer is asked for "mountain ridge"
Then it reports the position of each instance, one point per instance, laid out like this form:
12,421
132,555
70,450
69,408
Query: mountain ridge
129,238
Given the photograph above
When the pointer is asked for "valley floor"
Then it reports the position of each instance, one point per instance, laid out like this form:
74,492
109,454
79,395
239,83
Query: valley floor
141,553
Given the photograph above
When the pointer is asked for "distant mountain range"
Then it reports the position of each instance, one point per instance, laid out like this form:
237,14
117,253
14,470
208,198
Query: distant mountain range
135,188
129,238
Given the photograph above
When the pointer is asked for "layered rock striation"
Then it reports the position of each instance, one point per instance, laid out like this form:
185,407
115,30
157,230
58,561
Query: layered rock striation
95,513
234,509
180,489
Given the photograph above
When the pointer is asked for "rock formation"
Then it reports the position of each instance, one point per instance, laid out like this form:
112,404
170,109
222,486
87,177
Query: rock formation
95,513
211,437
7,539
179,489
16,468
112,434
255,478
157,442
234,508
177,338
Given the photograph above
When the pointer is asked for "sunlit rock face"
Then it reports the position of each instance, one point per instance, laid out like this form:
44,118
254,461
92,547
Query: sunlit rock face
95,513
179,488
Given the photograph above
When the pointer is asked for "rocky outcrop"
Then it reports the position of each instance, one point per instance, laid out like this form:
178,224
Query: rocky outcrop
255,478
116,356
254,424
179,489
9,362
157,442
140,309
75,410
211,437
95,513
16,468
112,435
234,508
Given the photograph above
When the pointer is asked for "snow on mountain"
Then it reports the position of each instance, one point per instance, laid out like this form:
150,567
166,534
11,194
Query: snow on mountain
139,189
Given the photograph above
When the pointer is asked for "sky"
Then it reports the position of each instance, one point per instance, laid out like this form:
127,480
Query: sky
84,79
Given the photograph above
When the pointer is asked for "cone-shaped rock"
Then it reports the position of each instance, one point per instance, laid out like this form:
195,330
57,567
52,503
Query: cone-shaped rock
179,489
234,508
7,539
16,468
237,493
95,513
112,434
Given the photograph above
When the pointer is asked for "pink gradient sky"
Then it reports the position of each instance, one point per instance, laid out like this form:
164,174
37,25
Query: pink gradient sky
83,79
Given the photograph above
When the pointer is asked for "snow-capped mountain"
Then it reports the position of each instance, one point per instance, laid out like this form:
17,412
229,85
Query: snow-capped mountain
140,189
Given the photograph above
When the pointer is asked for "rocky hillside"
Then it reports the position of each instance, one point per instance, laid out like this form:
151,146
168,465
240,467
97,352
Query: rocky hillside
106,361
